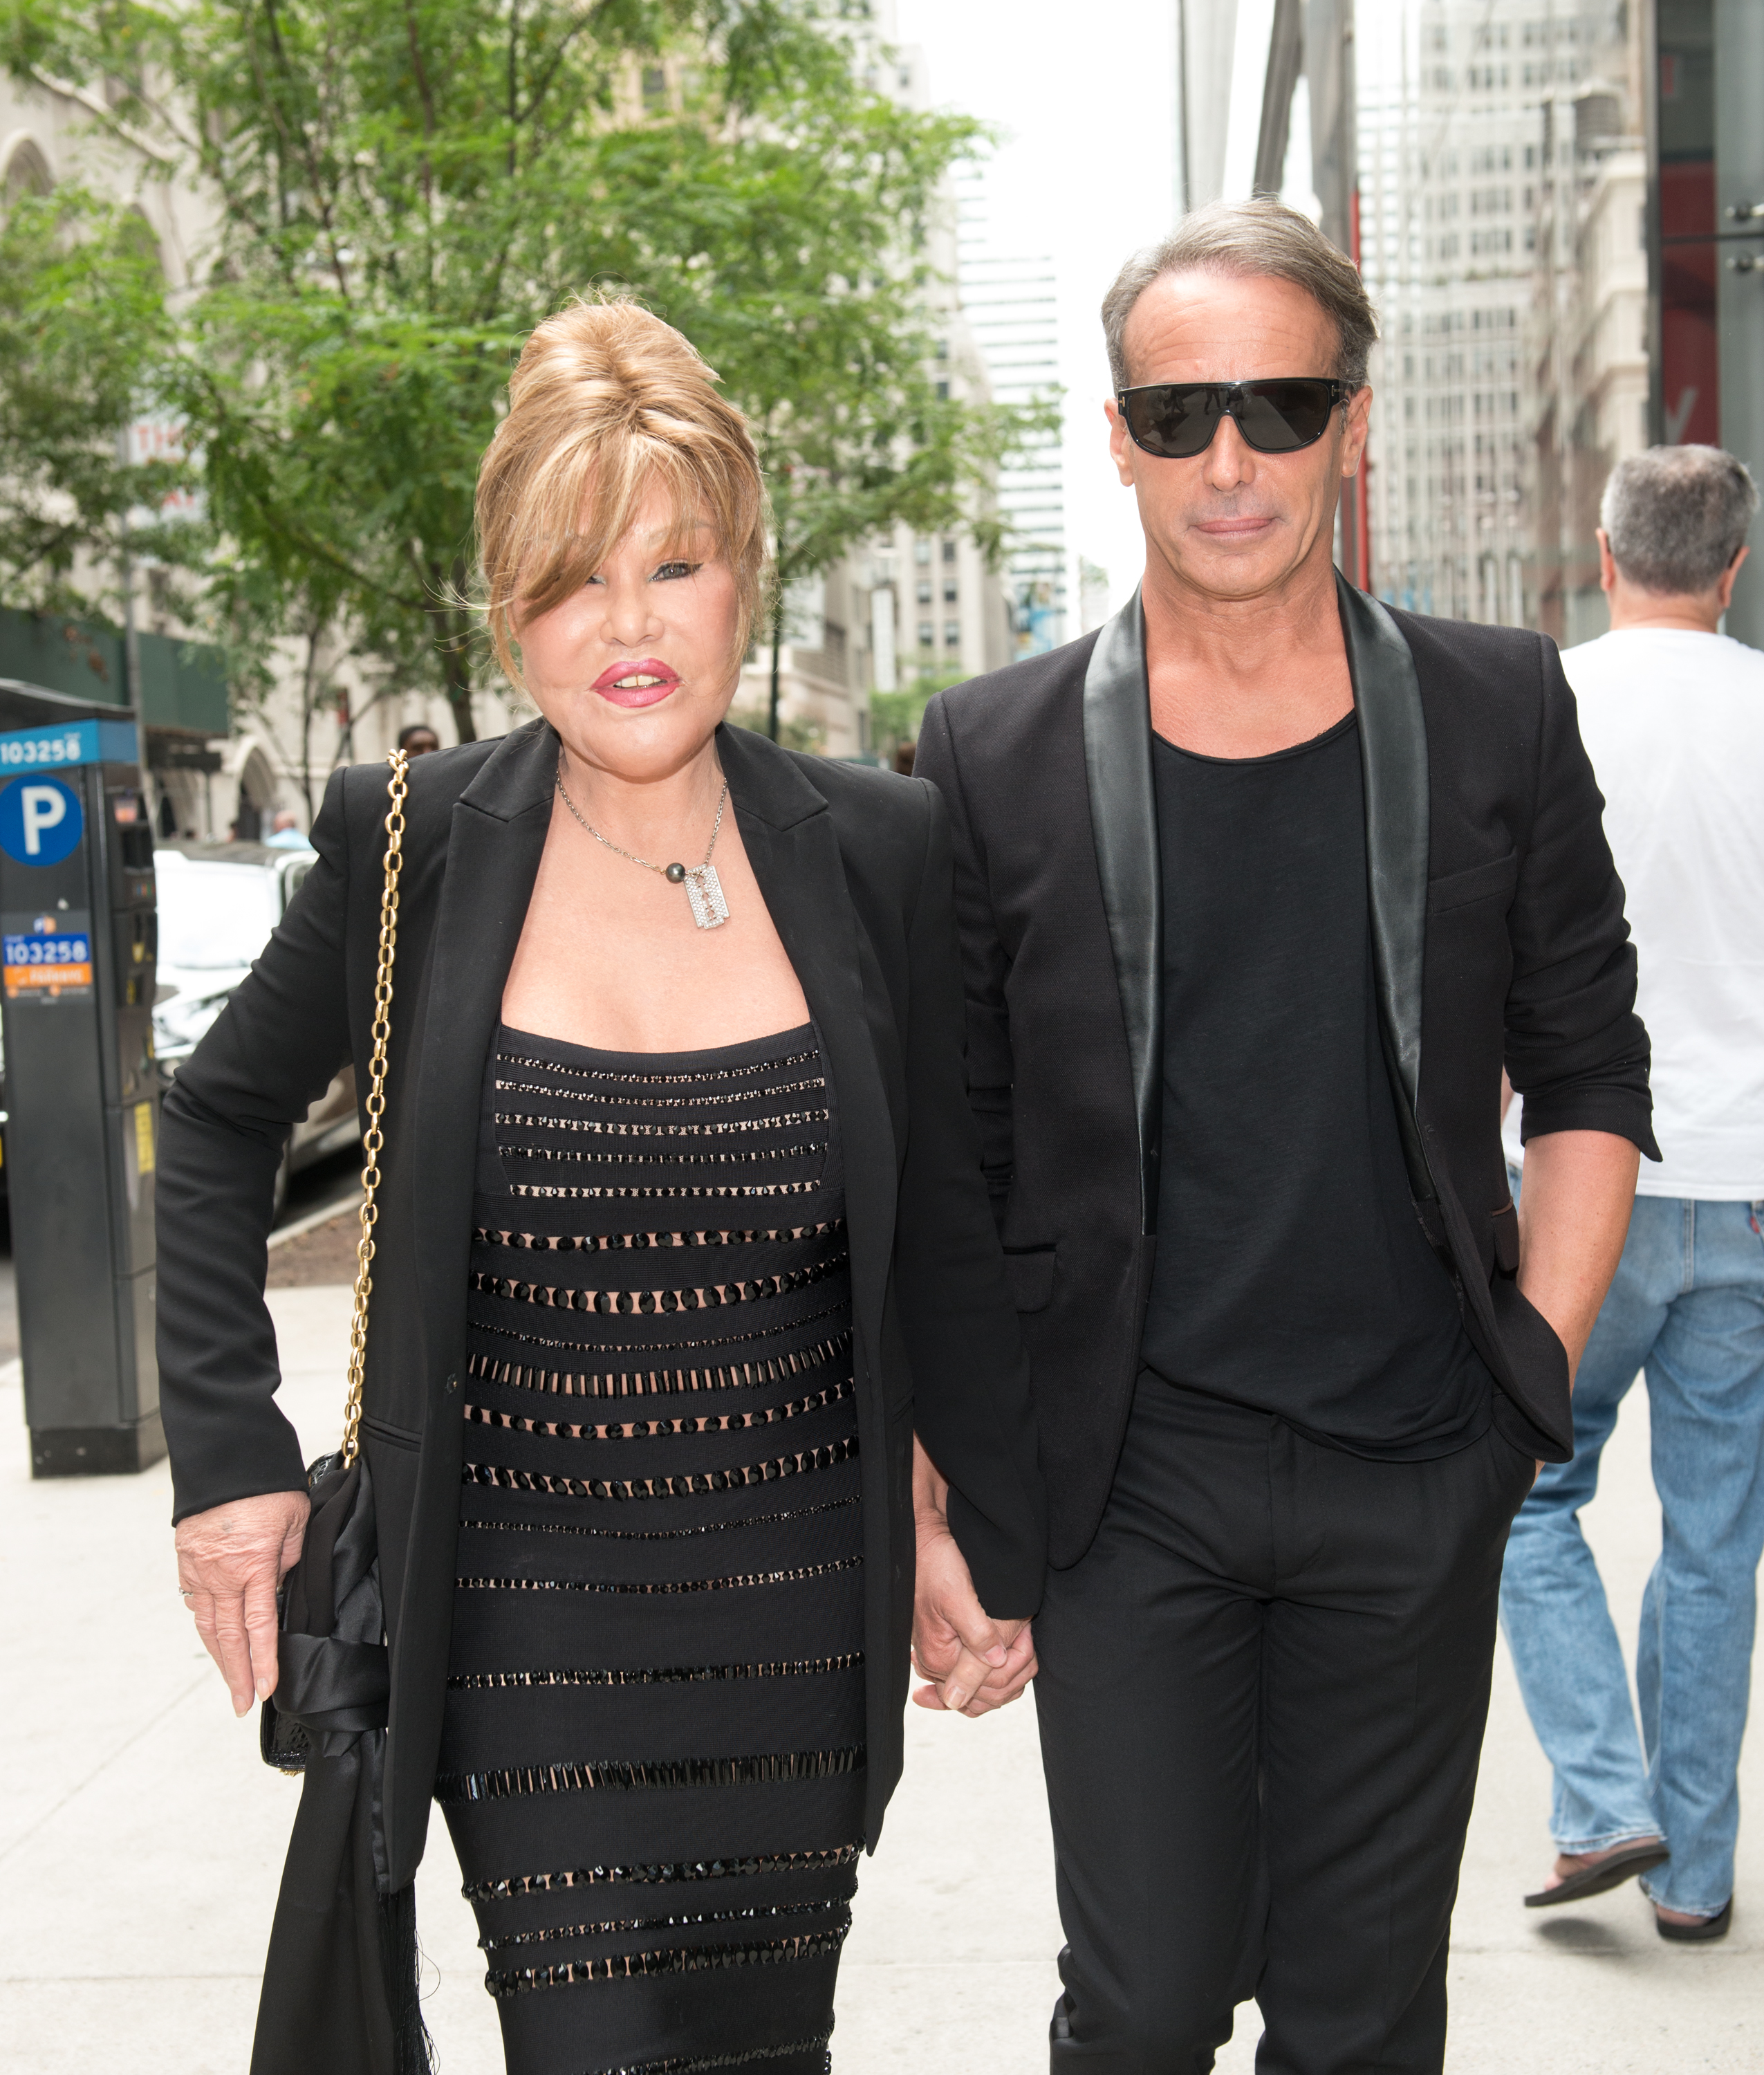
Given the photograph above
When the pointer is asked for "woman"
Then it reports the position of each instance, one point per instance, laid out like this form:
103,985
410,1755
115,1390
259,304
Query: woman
681,1230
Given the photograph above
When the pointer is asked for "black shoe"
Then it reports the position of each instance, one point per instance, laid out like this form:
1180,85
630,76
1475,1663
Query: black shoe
1599,1880
1717,1926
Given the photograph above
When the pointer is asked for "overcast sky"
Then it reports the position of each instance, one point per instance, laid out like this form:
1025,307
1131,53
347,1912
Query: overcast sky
1086,174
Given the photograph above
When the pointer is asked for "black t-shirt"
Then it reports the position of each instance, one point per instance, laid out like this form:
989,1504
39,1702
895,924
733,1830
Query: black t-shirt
1292,1273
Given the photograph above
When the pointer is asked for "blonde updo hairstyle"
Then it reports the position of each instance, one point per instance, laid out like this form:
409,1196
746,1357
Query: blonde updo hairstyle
606,401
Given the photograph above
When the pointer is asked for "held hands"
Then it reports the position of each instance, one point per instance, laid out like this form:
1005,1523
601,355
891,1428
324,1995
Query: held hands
974,1663
230,1560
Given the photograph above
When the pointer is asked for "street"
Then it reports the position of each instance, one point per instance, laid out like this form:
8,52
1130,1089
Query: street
142,1838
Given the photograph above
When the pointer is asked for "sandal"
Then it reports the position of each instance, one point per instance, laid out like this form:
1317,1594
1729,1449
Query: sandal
1603,1874
1717,1926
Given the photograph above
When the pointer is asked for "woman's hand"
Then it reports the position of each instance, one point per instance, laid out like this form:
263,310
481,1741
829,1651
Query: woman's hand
230,1560
973,1663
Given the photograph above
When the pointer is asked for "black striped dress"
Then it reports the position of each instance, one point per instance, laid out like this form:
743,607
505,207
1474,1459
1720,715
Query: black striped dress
653,1753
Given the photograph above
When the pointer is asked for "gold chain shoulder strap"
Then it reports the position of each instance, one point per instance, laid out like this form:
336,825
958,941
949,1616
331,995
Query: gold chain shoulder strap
375,1105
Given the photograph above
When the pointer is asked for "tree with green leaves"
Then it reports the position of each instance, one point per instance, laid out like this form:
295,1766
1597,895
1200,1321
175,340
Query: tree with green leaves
83,328
405,186
895,716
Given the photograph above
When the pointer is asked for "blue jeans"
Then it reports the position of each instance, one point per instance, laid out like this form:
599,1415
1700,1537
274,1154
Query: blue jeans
1687,1306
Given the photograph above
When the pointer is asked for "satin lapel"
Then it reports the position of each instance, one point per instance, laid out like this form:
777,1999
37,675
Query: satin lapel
1393,761
802,878
494,844
1124,827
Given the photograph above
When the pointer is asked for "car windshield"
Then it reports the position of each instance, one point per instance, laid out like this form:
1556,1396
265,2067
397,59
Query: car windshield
215,916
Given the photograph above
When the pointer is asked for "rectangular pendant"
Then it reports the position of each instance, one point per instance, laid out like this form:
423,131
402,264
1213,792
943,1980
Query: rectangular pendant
704,890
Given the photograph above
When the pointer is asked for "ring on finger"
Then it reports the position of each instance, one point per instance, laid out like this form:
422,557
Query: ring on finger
186,1592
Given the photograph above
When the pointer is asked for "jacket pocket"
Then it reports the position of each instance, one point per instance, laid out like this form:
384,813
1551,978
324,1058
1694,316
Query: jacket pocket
1481,882
383,1430
1539,1365
1029,1276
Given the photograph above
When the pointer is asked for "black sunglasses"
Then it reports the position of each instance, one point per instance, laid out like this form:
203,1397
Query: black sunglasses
1176,421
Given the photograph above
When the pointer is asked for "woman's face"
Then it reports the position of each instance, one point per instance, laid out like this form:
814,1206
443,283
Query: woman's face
636,670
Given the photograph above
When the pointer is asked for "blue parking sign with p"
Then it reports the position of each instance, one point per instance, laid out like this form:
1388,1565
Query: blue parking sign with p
41,821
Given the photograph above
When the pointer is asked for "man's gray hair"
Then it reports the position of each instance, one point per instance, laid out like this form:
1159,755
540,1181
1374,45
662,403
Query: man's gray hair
1259,237
1677,516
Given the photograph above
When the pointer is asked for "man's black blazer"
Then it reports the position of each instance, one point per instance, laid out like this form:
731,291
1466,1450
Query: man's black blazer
1498,933
854,866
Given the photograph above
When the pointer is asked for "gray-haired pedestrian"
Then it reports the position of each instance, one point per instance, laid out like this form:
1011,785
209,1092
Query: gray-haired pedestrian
1672,715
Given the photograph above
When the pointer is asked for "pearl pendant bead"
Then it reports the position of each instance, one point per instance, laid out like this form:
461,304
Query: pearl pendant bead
676,874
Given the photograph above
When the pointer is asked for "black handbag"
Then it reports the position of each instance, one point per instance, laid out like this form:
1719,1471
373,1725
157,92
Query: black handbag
340,1984
333,1676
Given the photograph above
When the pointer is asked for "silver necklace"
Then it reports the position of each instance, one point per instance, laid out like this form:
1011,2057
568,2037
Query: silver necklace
704,889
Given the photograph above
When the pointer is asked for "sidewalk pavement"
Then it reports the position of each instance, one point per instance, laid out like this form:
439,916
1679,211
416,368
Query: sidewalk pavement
141,1839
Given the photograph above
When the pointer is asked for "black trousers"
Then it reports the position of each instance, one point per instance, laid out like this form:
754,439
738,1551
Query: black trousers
1262,1696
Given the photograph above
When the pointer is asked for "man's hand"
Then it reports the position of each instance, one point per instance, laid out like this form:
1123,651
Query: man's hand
230,1560
974,1663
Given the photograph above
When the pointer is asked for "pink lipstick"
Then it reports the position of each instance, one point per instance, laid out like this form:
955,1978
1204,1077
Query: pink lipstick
642,682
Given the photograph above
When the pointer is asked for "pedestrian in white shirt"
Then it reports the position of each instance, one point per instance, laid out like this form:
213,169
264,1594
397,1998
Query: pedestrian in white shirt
1672,715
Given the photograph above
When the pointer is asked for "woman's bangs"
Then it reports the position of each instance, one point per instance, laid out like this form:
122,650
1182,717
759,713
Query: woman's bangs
581,523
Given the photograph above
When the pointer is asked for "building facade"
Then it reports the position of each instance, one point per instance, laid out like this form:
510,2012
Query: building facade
1493,173
1009,305
1558,207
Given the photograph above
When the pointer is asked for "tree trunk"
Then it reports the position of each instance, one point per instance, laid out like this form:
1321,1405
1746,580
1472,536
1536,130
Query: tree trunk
777,643
306,722
458,664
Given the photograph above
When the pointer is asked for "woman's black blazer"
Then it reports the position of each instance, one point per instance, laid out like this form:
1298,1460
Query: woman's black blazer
854,865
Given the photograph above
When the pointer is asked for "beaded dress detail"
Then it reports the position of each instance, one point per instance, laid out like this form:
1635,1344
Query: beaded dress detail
651,1756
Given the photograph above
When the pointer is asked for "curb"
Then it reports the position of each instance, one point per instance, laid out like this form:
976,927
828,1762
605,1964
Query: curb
348,1207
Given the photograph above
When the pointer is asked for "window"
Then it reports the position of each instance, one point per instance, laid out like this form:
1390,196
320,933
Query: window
952,634
927,634
925,591
943,393
949,551
655,86
948,591
921,552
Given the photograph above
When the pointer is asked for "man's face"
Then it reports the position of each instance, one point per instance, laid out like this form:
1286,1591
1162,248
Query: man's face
1232,523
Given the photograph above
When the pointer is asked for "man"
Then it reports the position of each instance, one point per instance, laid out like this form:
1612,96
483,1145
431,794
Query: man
1255,884
1672,713
418,739
285,831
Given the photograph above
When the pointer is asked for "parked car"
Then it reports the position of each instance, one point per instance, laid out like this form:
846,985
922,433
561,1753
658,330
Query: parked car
219,902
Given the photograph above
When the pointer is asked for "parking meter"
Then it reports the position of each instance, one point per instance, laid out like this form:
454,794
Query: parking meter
76,908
